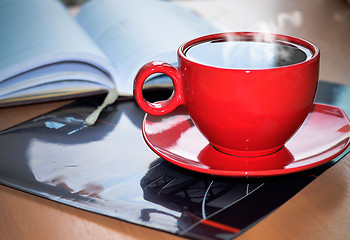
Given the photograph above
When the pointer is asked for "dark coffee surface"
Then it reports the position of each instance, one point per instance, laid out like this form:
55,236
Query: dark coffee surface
247,54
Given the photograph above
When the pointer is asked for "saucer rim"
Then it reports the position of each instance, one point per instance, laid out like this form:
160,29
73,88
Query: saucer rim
249,173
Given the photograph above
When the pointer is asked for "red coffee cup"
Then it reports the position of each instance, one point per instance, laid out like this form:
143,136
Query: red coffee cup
247,107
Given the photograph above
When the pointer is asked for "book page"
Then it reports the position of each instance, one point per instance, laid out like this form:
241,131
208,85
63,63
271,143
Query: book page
58,79
134,32
35,33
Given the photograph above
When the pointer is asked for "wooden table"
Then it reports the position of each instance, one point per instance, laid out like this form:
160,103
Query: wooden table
320,211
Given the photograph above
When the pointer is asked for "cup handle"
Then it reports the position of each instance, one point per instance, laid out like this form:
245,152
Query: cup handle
161,107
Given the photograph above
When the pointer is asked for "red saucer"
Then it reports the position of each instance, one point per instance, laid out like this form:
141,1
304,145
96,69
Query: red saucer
324,135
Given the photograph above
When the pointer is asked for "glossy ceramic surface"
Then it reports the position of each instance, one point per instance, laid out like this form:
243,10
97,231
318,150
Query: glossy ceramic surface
240,111
323,136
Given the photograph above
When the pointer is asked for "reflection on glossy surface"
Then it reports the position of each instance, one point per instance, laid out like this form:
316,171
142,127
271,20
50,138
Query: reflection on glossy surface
196,198
209,157
323,136
108,169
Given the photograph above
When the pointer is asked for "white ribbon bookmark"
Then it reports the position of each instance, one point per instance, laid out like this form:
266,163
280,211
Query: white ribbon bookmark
110,98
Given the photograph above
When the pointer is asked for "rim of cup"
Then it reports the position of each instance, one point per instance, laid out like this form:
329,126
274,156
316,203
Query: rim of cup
251,36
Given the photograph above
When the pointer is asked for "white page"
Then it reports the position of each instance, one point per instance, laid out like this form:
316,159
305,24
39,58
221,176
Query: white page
83,74
39,32
56,88
134,32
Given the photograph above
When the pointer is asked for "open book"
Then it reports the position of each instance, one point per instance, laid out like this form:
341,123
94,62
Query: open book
47,54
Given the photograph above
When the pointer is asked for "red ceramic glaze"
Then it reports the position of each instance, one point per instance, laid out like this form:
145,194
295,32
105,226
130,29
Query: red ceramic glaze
323,136
240,111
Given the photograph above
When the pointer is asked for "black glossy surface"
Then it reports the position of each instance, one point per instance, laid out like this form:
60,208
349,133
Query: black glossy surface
108,169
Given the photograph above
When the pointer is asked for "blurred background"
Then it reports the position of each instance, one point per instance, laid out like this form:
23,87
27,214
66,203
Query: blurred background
325,23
